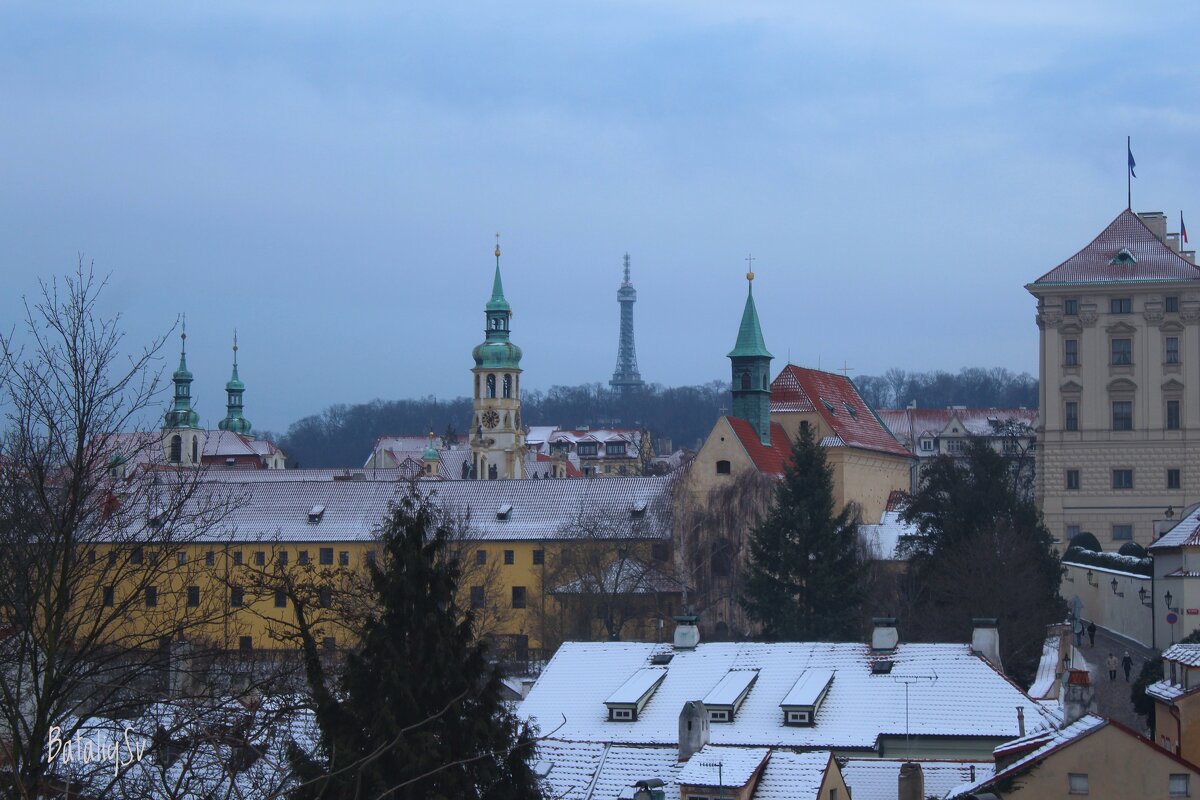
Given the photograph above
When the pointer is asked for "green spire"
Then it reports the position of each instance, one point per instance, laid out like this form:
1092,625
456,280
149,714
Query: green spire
181,414
497,303
431,453
234,421
497,352
750,339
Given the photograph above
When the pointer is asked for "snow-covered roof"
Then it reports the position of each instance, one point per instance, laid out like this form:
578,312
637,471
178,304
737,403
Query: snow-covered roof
877,778
1045,684
808,688
911,424
626,575
729,689
837,401
1146,258
1186,654
792,776
1037,745
859,707
1166,691
277,510
1186,532
637,685
883,538
737,766
595,771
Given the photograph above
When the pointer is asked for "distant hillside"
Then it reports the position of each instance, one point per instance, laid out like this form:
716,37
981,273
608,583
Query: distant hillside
342,435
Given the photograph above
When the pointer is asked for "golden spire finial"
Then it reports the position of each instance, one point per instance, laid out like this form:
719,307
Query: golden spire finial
497,245
750,268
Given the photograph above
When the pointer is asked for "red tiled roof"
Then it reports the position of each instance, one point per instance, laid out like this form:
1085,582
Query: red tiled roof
839,404
768,459
1155,261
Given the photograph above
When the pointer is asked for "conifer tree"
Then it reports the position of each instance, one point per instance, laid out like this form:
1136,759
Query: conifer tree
804,577
417,711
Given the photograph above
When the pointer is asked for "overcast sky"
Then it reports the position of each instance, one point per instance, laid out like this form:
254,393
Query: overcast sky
329,182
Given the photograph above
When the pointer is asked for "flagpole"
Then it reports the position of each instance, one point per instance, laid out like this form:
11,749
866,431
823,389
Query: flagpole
1128,172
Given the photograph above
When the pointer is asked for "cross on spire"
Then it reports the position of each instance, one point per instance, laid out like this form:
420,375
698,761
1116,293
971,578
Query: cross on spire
749,267
846,370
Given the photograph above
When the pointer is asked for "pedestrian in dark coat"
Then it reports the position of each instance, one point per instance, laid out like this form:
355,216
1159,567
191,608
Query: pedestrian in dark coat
1091,629
1127,665
1111,663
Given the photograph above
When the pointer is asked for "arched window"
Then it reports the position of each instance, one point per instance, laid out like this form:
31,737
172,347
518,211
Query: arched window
492,472
722,467
507,386
764,381
745,381
491,385
195,450
176,449
477,386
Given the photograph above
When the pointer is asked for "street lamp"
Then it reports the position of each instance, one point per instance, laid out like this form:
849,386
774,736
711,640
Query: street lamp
1089,579
1114,588
1167,597
1142,595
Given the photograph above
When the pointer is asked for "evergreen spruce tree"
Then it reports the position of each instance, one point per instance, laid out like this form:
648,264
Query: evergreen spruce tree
804,578
417,711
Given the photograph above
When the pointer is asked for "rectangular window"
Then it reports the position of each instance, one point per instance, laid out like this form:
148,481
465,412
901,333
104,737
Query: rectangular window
509,557
327,556
210,558
1122,531
478,599
280,598
282,557
1172,415
1071,306
539,556
329,643
260,558
325,597
1122,479
1077,782
1071,415
245,643
1173,480
1120,305
1122,415
1172,350
236,596
1072,532
1071,352
1072,480
927,445
109,596
1178,785
658,551
955,446
615,449
480,557
136,556
303,557
237,558
151,597
1171,304
91,557
518,597
1122,352
586,449
181,558
193,596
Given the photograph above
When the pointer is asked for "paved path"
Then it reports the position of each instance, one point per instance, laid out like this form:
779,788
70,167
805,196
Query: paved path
1112,697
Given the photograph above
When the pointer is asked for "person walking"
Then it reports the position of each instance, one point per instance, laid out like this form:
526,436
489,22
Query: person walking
1127,664
1111,662
1091,630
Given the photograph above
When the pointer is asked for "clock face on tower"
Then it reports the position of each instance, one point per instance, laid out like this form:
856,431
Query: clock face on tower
490,419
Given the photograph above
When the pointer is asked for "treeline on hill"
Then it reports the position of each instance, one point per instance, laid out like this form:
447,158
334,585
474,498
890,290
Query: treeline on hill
342,435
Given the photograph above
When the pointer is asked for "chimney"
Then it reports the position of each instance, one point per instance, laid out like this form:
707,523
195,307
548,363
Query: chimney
1078,697
911,782
1020,721
687,635
884,637
1173,241
1156,221
693,729
985,640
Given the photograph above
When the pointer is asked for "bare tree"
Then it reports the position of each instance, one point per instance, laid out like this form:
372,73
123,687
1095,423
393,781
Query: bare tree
95,566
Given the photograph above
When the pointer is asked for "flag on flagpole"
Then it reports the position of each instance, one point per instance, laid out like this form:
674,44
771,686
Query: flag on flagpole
1132,163
1182,228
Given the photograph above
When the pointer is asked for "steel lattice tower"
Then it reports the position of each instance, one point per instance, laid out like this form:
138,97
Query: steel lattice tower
626,375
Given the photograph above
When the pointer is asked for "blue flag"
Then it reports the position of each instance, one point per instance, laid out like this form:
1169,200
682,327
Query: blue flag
1132,163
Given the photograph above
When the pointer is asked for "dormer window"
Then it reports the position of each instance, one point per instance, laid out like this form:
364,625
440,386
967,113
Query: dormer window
728,695
1124,258
315,514
615,448
829,407
805,697
631,697
927,445
503,511
850,410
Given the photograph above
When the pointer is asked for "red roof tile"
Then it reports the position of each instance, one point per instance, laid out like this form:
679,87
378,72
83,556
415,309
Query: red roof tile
768,459
1095,263
838,402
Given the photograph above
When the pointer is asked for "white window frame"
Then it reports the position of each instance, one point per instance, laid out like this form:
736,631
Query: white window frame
1077,783
623,714
1179,785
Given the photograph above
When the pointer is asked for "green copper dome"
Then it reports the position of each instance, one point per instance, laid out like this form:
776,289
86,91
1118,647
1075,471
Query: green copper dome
750,339
431,454
497,301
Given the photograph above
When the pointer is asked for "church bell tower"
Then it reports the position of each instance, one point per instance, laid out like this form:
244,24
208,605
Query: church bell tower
497,438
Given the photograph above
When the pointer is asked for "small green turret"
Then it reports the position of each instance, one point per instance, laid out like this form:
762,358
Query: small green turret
496,351
234,421
181,414
751,363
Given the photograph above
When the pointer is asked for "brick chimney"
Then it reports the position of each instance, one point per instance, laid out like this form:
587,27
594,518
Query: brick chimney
1078,696
911,783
